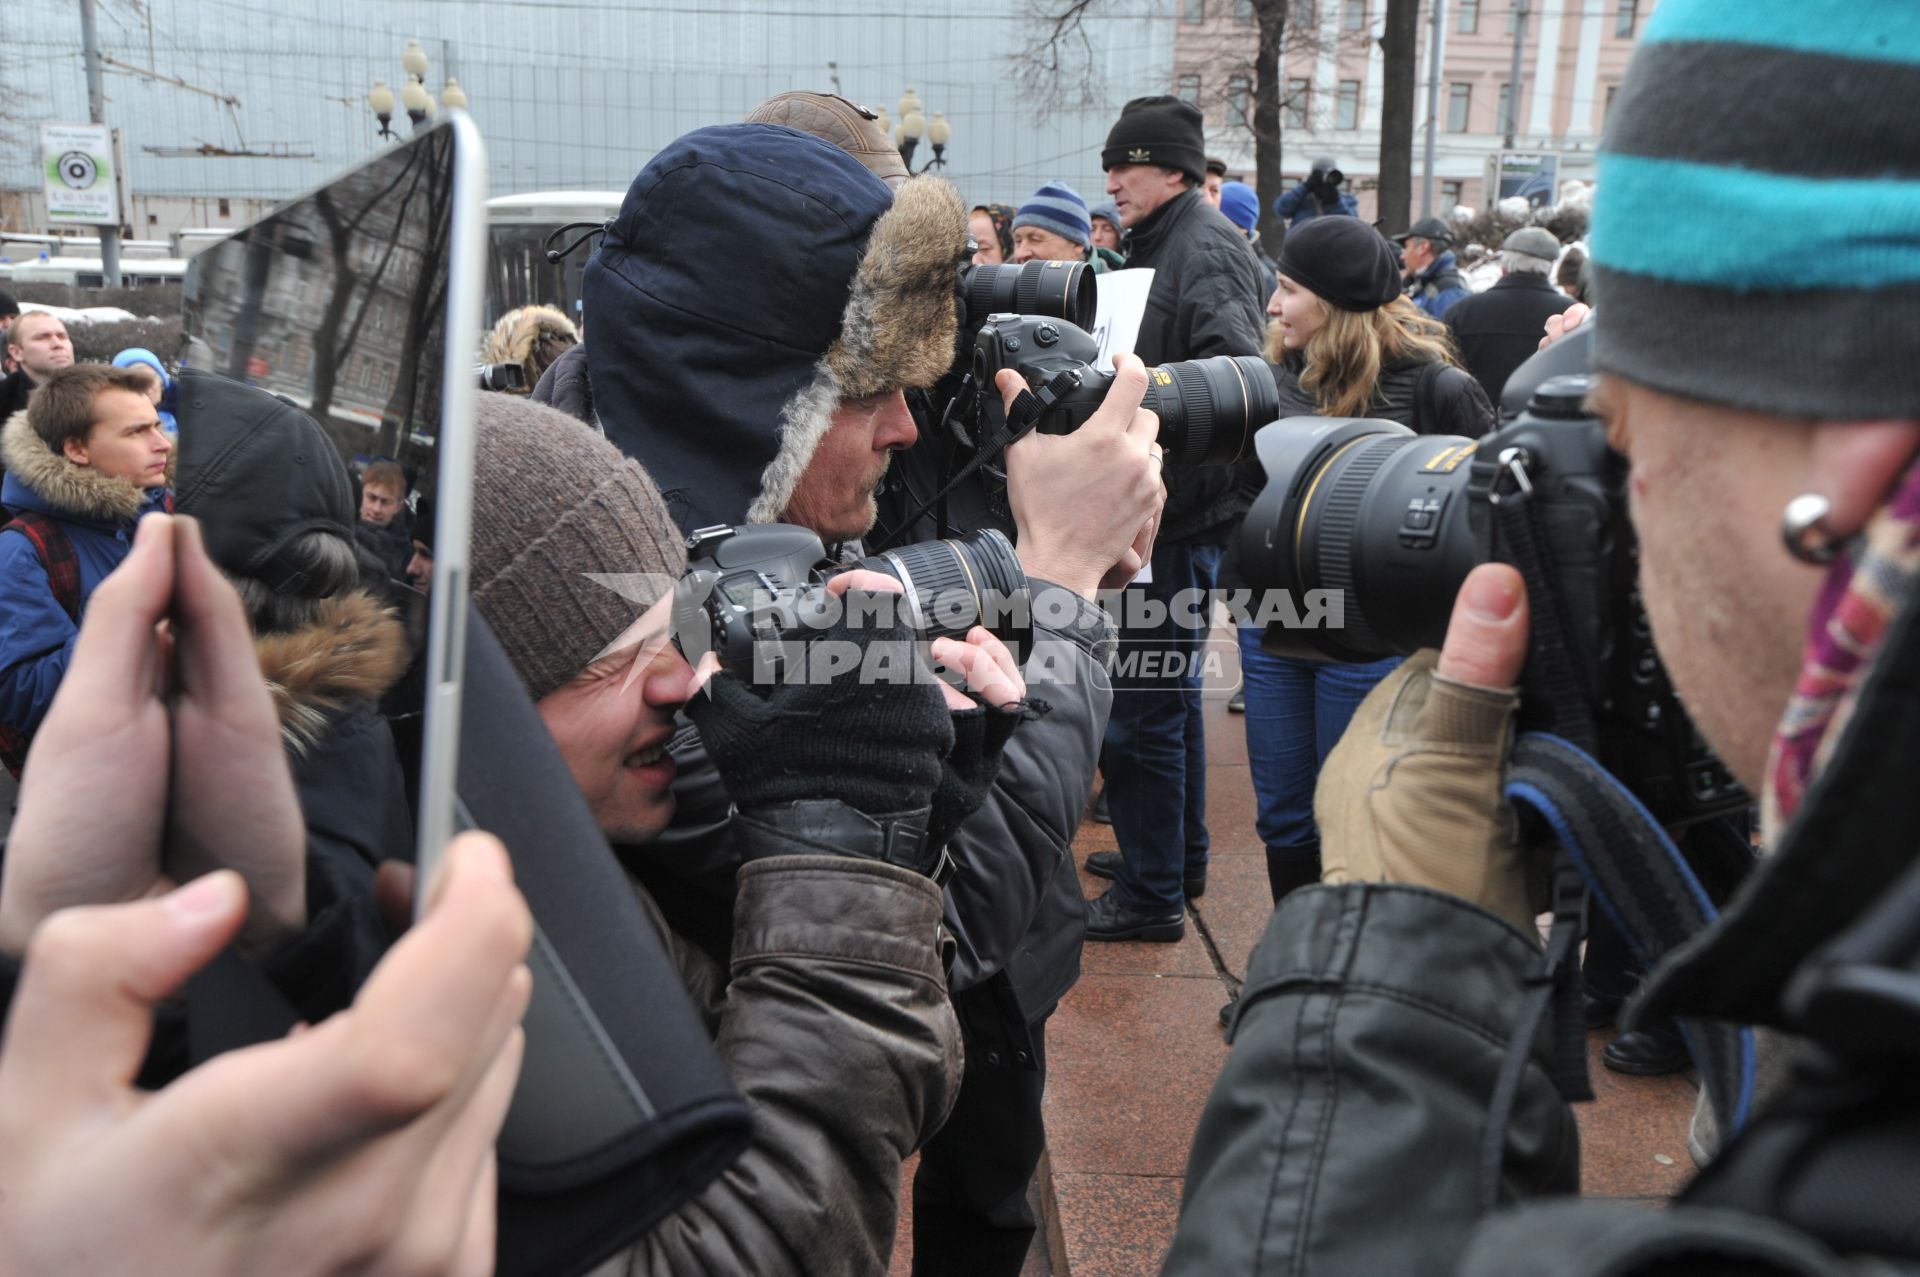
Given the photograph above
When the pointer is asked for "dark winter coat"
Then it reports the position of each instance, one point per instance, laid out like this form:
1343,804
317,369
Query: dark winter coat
1500,329
1205,301
1342,1137
97,514
1303,204
1439,286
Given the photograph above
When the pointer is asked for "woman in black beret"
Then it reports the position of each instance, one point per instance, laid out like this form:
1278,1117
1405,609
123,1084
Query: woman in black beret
1343,342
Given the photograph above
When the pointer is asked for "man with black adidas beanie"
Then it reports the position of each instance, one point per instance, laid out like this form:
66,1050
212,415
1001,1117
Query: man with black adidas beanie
1207,299
1757,374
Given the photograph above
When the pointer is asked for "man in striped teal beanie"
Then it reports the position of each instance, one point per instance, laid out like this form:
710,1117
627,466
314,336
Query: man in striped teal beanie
1756,237
1052,226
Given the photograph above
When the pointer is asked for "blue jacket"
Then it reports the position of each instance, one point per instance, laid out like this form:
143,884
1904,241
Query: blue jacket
1300,205
98,515
1439,286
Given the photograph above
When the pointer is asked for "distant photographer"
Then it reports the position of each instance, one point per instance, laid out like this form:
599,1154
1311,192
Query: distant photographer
1319,195
1770,415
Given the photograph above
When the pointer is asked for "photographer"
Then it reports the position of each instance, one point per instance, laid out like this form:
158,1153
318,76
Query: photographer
755,396
1775,498
827,1001
1319,195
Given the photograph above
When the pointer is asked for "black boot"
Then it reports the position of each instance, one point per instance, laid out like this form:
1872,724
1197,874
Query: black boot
1109,919
1647,1053
1291,868
1106,864
1099,814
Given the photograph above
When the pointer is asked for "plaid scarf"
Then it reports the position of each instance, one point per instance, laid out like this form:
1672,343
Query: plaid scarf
1865,587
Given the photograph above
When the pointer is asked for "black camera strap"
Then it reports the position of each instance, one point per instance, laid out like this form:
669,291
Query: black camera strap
1006,426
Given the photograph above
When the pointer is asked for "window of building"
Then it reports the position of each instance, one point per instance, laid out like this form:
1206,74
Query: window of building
225,209
1606,109
1237,90
1451,194
1189,90
1506,100
1193,10
1459,101
1467,17
1353,15
1243,11
1295,106
1347,108
1624,20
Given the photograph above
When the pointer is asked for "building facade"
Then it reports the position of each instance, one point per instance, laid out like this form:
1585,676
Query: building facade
1573,55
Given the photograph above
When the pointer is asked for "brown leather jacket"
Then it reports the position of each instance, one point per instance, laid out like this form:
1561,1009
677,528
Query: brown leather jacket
834,1024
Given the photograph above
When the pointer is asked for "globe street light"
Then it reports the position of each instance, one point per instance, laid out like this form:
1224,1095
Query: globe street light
914,125
418,102
453,97
381,100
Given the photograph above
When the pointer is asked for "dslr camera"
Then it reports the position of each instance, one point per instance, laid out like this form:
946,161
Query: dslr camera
1394,521
751,591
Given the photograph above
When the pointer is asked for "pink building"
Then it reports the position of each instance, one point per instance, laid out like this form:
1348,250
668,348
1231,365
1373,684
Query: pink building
1573,56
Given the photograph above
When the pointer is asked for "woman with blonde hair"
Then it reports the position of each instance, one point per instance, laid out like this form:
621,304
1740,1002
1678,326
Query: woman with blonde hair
1343,342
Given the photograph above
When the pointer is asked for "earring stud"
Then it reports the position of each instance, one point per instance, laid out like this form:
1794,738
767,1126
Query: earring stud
1802,529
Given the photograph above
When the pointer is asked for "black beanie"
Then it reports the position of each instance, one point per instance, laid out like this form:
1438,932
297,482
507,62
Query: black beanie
1160,130
1342,261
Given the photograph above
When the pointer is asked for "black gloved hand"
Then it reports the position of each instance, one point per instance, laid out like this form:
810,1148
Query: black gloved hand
800,759
979,737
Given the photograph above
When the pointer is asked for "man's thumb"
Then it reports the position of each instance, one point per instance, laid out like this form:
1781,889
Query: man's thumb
1487,638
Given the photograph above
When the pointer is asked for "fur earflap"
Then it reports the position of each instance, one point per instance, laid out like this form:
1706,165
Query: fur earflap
72,489
353,653
897,333
903,314
531,336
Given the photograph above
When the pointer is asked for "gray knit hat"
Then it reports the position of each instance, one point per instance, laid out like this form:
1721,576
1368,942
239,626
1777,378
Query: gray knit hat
557,511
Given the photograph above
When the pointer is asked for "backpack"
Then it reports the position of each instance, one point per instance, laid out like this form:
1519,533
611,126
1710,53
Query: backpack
1427,418
63,575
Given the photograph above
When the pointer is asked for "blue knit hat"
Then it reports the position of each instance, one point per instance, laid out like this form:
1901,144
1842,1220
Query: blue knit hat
1756,222
1107,209
1057,207
1240,204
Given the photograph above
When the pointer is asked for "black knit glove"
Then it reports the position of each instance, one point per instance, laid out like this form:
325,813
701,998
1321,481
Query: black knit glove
844,767
979,737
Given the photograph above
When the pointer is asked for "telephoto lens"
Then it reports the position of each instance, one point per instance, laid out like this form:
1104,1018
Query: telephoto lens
1368,509
955,585
1052,290
1210,409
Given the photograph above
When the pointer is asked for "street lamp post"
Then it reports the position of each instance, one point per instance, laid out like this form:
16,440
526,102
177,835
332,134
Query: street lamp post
913,126
413,98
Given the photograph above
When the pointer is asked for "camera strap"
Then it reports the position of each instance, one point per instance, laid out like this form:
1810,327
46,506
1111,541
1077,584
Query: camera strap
1006,426
1612,849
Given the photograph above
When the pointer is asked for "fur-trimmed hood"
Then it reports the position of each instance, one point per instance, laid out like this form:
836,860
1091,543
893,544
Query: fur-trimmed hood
64,489
755,277
353,654
531,336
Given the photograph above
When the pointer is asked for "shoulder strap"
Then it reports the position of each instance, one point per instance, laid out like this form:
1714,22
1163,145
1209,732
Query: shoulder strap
56,556
1426,408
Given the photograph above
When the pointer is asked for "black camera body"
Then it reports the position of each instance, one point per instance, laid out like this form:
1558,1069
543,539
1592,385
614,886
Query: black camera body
1394,521
1209,409
750,591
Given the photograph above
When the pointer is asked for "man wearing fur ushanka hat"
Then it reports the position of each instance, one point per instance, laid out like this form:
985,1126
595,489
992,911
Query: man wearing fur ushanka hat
753,317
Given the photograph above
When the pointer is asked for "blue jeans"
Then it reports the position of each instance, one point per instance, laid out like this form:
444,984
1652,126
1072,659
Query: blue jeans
1296,713
1156,749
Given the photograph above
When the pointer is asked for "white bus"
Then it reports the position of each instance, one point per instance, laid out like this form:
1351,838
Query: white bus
518,273
87,272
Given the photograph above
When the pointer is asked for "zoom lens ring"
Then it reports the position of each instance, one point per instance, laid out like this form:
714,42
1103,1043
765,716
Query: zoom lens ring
1338,526
934,572
1194,419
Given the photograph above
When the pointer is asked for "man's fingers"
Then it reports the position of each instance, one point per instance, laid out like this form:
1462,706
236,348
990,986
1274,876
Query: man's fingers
1009,383
115,655
421,1032
864,579
1486,642
1120,411
215,642
439,1227
83,1014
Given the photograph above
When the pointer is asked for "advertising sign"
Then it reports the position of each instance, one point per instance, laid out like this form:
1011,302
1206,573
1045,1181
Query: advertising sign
1532,175
81,183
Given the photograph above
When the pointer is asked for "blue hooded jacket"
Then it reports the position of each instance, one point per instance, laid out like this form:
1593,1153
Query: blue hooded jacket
98,516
